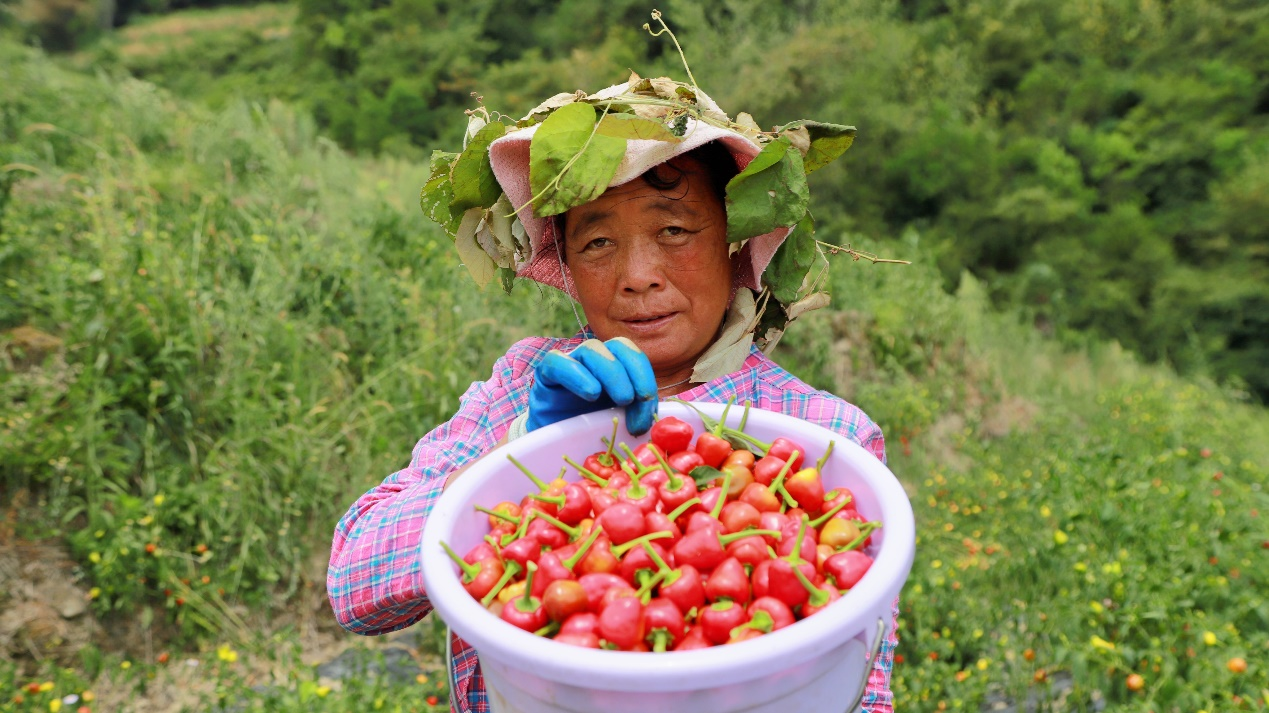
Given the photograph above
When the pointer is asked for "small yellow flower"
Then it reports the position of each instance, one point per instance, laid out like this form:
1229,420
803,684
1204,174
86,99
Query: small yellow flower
322,691
226,653
1045,511
46,687
94,592
983,664
94,557
421,678
1209,638
1060,537
54,705
1100,643
158,499
1096,607
145,521
1080,566
125,665
87,696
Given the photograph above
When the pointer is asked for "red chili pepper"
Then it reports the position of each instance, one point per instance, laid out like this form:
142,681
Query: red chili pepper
622,622
585,622
760,498
807,489
750,550
478,577
795,534
482,551
648,454
737,516
639,560
685,461
522,551
511,569
718,619
684,587
773,521
615,593
526,612
777,485
601,500
785,450
658,522
703,549
545,533
781,615
836,496
586,641
766,469
576,504
622,522
671,434
817,604
728,581
702,520
784,584
550,569
599,559
563,599
847,568
601,463
664,623
741,478
694,639
712,449
597,584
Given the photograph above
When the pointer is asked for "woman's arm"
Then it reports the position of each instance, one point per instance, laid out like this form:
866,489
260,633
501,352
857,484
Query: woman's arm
374,580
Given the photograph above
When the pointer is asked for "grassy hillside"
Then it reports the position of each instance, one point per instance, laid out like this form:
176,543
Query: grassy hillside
219,328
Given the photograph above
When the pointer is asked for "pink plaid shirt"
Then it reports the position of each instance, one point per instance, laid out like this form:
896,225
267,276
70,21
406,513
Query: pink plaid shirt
374,580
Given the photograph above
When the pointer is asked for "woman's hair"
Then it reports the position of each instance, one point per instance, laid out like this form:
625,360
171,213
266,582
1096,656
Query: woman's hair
717,160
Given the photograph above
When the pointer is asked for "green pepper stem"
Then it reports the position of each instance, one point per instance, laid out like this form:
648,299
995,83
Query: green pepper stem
594,477
469,570
536,480
825,517
613,439
789,500
722,421
652,554
570,530
571,562
524,523
819,464
761,621
678,511
556,500
635,470
744,418
659,640
674,482
525,603
779,479
498,514
795,557
763,446
645,592
722,495
625,547
512,569
549,630
864,531
730,538
816,596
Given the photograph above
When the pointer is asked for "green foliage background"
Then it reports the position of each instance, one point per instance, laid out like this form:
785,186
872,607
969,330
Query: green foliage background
253,322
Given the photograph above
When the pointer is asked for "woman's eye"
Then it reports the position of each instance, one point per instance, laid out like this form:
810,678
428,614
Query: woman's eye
597,243
673,230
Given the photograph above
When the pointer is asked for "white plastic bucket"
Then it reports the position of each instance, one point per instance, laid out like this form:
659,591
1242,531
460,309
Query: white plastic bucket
818,664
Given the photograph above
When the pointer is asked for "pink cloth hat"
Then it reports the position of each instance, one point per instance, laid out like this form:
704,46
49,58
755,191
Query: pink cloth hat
509,156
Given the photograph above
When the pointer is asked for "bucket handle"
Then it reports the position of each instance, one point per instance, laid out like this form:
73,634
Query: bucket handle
872,661
859,696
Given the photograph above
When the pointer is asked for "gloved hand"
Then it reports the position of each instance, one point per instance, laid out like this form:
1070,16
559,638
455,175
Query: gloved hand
596,375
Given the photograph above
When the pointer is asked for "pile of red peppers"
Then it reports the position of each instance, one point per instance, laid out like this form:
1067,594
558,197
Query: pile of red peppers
671,546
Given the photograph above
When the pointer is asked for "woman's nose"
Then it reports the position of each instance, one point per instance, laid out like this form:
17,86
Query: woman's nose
641,267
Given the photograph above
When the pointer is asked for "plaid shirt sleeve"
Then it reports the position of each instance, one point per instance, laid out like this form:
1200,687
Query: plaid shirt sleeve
374,580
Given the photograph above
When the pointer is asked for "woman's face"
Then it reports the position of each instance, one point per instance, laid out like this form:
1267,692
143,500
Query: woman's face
653,265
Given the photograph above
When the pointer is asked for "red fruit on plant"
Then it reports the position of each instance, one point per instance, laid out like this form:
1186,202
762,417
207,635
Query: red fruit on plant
766,469
601,500
658,522
671,434
576,504
647,453
741,478
830,591
740,457
601,464
599,558
622,622
546,534
638,560
664,624
759,498
598,584
586,622
615,594
806,487
784,584
712,449
522,551
749,550
702,520
693,640
525,612
550,570
686,590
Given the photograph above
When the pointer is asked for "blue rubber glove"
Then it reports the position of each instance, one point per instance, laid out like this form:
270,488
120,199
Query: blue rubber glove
596,375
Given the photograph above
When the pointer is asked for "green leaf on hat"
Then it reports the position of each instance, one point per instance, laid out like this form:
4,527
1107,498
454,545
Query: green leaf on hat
828,141
474,258
438,192
570,163
789,265
472,175
627,126
770,193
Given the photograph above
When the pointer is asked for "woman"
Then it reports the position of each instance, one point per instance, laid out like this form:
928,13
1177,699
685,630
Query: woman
670,311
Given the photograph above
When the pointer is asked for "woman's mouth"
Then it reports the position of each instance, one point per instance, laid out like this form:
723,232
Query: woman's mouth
648,323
